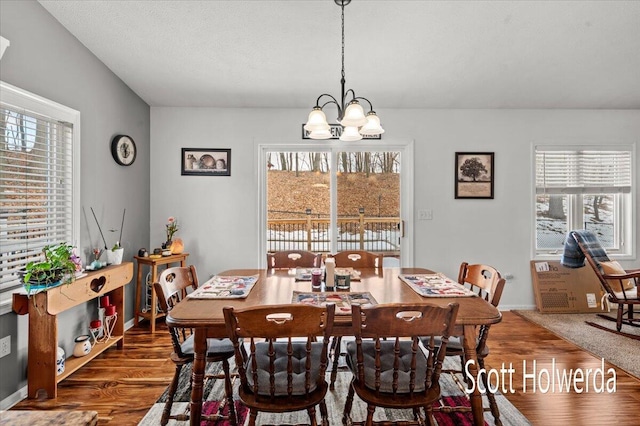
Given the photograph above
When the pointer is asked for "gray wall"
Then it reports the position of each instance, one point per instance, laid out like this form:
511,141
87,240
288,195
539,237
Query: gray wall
45,59
219,216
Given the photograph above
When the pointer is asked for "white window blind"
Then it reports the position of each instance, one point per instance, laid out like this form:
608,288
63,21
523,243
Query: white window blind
36,188
583,171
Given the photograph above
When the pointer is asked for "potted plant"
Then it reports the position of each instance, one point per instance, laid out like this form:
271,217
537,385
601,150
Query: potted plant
58,267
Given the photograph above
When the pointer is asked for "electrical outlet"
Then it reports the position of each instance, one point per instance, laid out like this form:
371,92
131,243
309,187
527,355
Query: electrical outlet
425,214
5,346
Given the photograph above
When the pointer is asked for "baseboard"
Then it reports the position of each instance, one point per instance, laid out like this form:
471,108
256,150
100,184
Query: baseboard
517,307
13,399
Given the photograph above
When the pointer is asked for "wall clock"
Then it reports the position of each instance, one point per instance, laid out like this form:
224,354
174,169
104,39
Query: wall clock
123,149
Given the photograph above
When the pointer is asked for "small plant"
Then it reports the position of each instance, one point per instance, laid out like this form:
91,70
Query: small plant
57,265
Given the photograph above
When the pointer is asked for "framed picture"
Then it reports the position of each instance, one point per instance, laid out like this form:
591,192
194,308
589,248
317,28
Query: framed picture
206,162
474,175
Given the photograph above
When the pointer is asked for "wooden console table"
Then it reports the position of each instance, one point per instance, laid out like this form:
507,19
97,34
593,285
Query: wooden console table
153,263
43,309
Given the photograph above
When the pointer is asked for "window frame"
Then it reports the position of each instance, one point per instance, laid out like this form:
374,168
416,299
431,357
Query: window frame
29,102
625,211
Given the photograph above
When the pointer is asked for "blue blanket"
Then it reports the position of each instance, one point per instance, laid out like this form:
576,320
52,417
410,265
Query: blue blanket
573,256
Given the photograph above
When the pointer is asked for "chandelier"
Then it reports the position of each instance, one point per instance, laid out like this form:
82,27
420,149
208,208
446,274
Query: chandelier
350,114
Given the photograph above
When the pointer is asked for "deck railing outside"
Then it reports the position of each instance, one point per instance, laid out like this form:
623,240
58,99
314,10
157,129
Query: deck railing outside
376,234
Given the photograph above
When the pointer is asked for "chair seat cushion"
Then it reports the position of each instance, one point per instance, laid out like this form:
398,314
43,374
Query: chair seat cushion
613,267
298,360
214,346
628,294
386,365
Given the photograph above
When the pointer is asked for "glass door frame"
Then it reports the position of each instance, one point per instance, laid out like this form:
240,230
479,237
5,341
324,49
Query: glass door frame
404,147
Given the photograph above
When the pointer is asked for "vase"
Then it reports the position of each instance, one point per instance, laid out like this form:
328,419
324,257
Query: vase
60,359
114,257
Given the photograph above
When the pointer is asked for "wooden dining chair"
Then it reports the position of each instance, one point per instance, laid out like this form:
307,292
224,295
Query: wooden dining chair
620,285
487,282
172,286
391,368
284,367
293,258
357,259
354,259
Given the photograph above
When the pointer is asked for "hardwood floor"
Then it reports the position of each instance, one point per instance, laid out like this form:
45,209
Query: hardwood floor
121,385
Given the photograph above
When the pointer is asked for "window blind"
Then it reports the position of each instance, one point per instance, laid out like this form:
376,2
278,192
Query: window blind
583,172
36,188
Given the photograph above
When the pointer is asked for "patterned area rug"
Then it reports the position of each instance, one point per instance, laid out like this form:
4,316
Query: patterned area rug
621,351
214,391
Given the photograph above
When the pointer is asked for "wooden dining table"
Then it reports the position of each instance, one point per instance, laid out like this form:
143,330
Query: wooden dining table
277,286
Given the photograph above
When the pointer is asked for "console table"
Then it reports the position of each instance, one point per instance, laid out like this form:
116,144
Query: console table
153,263
43,309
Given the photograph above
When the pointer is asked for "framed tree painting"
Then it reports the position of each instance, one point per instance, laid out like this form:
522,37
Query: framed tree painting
206,162
474,175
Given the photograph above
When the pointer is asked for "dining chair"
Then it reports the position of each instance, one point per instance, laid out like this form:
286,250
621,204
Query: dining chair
487,282
357,259
293,258
390,366
172,286
620,285
284,367
354,259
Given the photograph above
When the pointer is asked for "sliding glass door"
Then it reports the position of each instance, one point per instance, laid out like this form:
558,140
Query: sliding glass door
333,199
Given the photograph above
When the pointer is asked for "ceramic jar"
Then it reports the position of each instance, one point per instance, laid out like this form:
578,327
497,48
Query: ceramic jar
83,346
60,358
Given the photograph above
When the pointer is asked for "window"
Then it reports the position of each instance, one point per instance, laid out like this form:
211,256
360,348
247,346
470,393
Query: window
584,188
39,152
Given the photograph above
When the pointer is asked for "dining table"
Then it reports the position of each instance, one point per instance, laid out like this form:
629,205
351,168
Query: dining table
277,286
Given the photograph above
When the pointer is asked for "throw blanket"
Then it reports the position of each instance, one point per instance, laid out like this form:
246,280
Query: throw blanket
573,256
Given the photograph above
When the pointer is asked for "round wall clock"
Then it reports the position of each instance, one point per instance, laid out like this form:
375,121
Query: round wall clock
123,149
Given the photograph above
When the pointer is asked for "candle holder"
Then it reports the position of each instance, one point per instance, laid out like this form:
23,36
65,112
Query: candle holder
95,328
109,324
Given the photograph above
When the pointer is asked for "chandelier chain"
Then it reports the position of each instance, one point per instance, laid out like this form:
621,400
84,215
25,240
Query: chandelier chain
343,40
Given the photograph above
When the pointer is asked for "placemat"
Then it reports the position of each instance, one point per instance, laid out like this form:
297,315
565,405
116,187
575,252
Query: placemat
342,300
225,287
435,285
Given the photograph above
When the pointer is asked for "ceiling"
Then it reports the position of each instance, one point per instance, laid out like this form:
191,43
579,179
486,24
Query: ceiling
398,54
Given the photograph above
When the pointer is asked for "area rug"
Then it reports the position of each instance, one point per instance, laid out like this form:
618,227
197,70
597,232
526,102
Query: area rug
214,391
619,350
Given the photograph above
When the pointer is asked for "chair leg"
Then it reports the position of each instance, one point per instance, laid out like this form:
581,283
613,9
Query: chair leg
324,414
166,413
228,388
619,318
336,357
490,396
370,410
253,414
346,413
312,415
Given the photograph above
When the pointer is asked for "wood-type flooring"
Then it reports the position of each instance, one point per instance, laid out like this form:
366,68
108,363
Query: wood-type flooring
121,385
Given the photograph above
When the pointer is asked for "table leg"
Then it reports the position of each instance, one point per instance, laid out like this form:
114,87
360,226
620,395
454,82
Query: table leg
469,347
154,302
197,378
136,307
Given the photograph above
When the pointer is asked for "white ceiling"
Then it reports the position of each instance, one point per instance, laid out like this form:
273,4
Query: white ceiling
399,54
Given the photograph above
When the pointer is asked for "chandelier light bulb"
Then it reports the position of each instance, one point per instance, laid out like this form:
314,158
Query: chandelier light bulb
372,127
354,115
350,133
316,121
